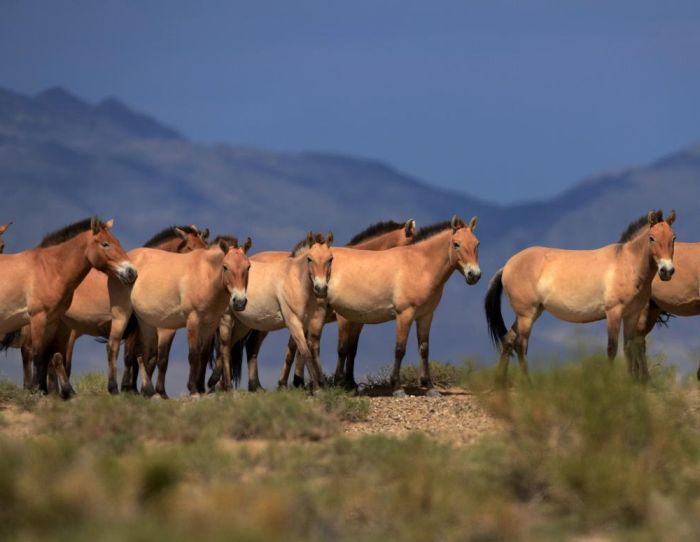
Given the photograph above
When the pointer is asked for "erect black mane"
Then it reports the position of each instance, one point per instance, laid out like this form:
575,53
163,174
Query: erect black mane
230,240
427,232
67,232
307,243
375,230
167,234
634,228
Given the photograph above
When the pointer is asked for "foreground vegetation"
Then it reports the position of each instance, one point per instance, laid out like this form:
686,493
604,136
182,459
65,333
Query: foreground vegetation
585,451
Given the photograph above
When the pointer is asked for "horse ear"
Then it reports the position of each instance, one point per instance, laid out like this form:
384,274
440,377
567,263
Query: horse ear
473,222
223,245
653,217
247,245
95,225
180,233
205,234
4,227
671,218
410,227
456,223
310,238
109,224
329,238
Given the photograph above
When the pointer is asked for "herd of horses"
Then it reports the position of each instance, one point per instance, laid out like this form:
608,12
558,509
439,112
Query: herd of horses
80,281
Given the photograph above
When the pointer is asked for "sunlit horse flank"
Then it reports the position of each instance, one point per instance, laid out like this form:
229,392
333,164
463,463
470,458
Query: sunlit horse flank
378,236
612,283
403,284
38,285
97,299
677,297
187,290
282,293
3,229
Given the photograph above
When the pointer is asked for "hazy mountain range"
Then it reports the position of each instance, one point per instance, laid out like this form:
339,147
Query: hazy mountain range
62,159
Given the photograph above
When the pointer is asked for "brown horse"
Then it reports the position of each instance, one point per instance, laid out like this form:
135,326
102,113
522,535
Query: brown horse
580,286
38,284
403,284
379,236
187,290
282,292
97,298
3,229
678,297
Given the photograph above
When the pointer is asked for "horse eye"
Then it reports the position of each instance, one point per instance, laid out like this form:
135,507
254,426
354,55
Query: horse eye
226,268
651,239
105,244
308,259
455,246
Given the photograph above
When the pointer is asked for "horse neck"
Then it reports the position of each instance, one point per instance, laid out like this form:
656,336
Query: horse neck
297,267
638,249
435,252
381,242
68,260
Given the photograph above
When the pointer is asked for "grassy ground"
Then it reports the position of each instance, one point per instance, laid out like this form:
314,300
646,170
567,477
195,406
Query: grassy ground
584,452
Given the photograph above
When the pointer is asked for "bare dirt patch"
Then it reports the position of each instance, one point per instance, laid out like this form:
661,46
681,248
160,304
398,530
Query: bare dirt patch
455,417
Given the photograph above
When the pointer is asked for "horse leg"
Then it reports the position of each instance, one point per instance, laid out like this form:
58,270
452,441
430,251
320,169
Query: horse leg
314,329
353,342
403,326
115,336
287,365
423,336
296,328
614,318
194,343
222,365
343,340
40,330
506,352
26,350
524,325
252,348
165,342
634,349
131,364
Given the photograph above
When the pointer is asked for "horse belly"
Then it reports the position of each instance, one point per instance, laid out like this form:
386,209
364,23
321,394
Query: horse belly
13,321
262,320
365,314
576,308
168,316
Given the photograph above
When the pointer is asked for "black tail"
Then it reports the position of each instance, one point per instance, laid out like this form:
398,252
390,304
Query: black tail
237,359
664,317
131,326
492,306
8,339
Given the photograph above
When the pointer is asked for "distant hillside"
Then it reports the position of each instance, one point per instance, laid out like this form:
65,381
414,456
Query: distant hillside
62,159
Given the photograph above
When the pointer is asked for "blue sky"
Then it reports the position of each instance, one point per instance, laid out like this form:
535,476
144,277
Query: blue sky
505,100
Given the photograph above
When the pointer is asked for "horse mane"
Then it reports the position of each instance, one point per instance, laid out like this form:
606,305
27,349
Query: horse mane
635,227
67,232
167,234
427,232
307,243
375,230
230,240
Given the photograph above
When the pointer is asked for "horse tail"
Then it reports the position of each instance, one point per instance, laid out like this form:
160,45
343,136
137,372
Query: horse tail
492,307
212,349
8,339
664,317
237,358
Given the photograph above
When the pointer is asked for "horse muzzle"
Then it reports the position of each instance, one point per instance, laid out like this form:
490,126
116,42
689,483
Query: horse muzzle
472,275
320,289
666,271
127,273
238,301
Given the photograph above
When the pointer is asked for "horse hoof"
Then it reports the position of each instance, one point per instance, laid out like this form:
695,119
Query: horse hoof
68,392
298,381
147,390
433,393
399,393
113,388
